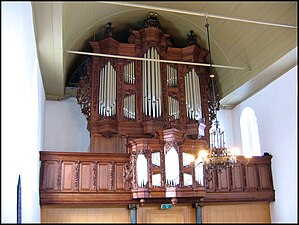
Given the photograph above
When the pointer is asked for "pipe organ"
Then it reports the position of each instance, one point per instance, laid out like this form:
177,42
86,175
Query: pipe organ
147,120
127,99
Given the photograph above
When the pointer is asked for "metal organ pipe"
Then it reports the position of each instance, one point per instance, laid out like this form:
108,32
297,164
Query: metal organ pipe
129,73
156,84
173,107
159,89
101,93
114,93
144,87
151,84
107,90
193,99
129,107
193,93
149,93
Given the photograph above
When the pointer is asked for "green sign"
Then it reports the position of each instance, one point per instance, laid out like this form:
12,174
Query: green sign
166,206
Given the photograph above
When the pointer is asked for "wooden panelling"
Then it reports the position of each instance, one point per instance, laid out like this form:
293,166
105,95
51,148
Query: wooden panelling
100,178
110,144
103,178
177,214
258,212
68,176
59,214
237,178
119,177
50,183
237,213
86,176
264,177
223,180
83,178
251,179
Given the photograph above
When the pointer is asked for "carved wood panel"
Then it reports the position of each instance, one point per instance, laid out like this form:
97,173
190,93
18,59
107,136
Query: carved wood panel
265,179
251,178
223,179
86,175
104,177
237,178
68,176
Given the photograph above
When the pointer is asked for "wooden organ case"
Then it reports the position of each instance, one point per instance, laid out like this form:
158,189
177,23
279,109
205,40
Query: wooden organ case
126,99
158,112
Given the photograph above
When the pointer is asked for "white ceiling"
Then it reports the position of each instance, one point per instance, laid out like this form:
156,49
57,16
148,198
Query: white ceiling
266,52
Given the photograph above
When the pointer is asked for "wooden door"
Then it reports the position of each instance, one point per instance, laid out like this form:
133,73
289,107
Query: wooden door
177,214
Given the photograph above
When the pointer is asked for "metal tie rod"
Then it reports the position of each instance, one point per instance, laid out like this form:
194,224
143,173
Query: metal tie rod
155,60
197,14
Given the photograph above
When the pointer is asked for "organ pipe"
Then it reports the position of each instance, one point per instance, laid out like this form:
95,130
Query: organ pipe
172,76
151,84
159,88
129,73
129,107
107,90
192,93
173,107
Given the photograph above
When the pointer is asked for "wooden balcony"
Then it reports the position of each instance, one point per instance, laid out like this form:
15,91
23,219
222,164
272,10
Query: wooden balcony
100,178
83,178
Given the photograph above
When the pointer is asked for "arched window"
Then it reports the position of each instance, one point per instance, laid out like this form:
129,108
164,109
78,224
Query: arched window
250,133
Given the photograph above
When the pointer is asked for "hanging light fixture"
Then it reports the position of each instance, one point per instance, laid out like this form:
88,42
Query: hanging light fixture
218,157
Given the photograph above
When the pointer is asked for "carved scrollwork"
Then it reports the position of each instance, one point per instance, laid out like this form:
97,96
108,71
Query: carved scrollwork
172,123
84,93
171,144
128,174
94,174
59,170
129,92
77,175
165,43
131,39
112,175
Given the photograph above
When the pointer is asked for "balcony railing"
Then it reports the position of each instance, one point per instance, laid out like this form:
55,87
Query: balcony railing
102,178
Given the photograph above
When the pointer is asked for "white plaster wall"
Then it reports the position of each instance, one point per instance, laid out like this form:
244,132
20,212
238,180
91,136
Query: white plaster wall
23,101
226,124
276,111
66,127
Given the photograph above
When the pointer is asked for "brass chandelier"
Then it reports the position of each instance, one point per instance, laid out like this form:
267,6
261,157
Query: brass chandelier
218,157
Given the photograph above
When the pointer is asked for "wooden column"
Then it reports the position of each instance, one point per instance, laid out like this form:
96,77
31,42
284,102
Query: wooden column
198,212
133,213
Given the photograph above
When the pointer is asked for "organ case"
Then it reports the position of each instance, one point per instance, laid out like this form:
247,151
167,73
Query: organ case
124,98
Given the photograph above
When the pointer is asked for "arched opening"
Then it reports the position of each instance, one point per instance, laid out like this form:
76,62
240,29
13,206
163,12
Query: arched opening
250,134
